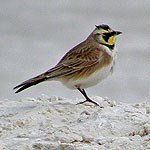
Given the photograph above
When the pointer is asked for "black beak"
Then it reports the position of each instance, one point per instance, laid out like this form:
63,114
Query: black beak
117,32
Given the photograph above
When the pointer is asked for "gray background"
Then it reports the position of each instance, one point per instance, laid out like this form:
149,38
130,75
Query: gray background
35,34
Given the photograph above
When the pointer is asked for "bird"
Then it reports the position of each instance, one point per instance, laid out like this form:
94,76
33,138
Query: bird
83,66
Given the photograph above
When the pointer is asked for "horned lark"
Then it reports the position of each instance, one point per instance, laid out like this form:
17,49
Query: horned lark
83,66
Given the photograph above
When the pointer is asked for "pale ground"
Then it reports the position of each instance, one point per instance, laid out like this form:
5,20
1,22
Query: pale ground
55,123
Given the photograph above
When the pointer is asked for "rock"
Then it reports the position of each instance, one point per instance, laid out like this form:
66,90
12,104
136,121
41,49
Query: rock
53,123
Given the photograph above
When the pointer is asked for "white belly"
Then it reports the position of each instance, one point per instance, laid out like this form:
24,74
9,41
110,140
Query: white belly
96,77
92,80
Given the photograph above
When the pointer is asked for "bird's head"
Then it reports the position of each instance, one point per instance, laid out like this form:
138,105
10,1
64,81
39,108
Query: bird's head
103,34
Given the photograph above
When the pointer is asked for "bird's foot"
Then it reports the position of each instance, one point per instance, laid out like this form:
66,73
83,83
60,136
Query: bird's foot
88,100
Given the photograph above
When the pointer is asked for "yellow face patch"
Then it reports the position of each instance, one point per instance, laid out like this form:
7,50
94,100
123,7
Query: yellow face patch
109,30
111,40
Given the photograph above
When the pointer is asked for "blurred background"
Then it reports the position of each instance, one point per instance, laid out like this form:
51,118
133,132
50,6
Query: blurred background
35,34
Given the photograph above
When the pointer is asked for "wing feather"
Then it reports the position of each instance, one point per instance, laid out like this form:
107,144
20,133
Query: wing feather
79,62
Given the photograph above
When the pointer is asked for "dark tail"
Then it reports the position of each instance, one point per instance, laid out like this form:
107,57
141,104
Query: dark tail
29,83
55,72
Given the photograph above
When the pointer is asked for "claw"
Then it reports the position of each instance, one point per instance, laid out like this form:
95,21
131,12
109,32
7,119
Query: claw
89,100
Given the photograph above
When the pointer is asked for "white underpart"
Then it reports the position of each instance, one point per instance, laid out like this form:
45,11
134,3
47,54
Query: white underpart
96,77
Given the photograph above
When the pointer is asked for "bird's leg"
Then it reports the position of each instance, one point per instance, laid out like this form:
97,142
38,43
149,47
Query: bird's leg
86,97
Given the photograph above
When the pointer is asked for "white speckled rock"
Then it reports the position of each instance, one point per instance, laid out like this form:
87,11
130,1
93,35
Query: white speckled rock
53,123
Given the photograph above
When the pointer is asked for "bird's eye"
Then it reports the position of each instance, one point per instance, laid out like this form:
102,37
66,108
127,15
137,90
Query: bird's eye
98,34
106,36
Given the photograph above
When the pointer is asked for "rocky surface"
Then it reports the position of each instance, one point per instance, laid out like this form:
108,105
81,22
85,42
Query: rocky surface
55,123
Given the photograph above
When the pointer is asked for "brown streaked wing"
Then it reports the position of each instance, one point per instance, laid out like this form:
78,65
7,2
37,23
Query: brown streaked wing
80,62
93,61
81,65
